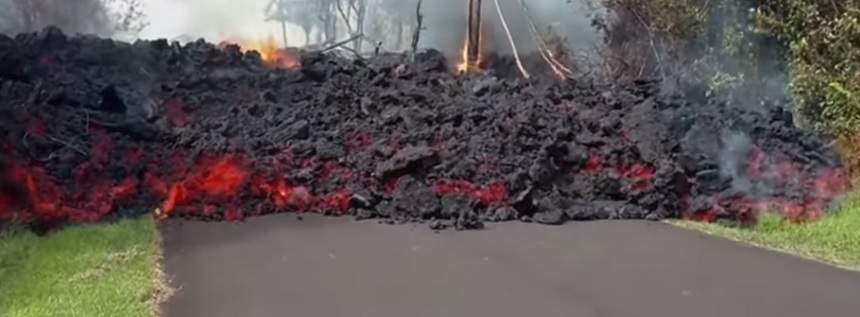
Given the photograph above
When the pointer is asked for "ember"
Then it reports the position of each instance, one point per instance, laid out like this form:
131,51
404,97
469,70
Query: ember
221,138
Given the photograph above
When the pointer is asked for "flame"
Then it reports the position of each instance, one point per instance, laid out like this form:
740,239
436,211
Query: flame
463,66
270,52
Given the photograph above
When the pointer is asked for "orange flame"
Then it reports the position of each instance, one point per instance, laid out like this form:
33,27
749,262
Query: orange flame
463,66
270,52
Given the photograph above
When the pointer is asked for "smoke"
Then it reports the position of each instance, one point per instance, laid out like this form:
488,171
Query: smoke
445,22
736,150
213,20
389,21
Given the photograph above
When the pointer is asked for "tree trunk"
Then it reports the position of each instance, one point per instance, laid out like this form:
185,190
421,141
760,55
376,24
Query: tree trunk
398,32
359,24
284,32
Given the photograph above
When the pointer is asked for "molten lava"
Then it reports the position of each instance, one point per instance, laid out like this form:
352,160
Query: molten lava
779,175
495,193
215,180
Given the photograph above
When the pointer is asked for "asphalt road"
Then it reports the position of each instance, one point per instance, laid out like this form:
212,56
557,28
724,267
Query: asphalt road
279,266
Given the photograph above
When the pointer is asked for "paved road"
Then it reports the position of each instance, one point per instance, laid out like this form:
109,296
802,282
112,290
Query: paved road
322,267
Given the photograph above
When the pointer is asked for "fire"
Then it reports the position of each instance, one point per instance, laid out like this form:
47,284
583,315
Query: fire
270,52
463,66
473,48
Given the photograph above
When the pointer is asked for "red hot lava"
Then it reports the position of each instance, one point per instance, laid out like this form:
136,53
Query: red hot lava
495,193
91,198
781,175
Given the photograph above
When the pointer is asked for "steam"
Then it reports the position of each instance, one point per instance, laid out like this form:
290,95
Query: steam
445,22
446,19
737,147
388,21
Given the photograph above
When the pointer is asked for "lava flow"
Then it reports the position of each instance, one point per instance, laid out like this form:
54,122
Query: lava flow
211,135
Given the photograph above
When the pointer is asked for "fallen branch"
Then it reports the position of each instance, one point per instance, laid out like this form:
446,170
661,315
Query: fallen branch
557,67
651,36
341,43
67,144
511,41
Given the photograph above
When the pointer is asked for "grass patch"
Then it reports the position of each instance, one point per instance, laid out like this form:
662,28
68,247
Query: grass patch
834,239
100,270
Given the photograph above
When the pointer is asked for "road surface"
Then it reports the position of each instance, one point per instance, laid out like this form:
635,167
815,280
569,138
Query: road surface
281,266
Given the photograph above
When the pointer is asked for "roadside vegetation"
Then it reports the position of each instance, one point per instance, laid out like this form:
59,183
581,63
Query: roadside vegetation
834,239
806,50
99,270
809,46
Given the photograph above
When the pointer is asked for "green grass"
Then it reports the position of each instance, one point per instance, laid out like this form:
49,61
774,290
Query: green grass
834,239
101,270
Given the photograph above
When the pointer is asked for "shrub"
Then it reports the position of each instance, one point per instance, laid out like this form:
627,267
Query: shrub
823,38
810,46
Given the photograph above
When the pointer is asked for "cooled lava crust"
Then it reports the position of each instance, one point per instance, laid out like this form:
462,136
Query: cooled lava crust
93,129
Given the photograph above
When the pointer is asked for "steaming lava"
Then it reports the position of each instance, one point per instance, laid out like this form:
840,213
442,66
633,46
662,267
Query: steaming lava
93,129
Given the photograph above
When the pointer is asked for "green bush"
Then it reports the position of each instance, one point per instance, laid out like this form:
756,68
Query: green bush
823,40
744,43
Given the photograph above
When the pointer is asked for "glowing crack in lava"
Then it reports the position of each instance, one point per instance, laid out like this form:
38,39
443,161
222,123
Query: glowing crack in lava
495,193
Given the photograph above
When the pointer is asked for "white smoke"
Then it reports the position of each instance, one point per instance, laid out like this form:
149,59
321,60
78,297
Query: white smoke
445,21
733,159
214,20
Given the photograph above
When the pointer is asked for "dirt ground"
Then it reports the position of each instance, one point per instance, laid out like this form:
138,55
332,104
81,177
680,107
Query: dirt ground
280,266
